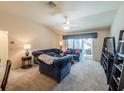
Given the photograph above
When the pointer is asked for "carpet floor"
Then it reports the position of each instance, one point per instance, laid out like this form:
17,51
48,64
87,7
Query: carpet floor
87,75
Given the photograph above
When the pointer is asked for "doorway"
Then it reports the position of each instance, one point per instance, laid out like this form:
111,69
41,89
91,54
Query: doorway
3,47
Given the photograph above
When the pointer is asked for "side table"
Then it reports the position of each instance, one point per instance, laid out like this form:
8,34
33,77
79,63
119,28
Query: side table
26,62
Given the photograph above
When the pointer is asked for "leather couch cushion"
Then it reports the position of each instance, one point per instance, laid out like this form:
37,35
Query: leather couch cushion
52,54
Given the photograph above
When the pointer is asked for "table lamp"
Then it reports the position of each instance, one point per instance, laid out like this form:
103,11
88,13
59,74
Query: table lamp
27,47
61,43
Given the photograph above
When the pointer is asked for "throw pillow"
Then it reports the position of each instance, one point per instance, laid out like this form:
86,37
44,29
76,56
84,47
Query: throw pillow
77,52
68,51
46,59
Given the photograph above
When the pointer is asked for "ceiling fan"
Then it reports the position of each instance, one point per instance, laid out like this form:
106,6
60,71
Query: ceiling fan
67,24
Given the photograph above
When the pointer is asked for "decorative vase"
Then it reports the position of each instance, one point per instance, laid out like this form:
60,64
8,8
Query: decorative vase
27,52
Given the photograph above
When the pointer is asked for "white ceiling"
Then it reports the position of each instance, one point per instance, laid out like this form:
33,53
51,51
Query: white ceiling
86,15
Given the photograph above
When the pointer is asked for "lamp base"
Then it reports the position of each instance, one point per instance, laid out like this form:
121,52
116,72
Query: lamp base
27,52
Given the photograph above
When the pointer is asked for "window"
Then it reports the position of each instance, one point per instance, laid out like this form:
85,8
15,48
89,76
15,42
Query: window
87,48
74,43
84,44
70,43
87,43
78,43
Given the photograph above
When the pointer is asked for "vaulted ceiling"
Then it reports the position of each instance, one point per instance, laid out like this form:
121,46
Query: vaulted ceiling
86,15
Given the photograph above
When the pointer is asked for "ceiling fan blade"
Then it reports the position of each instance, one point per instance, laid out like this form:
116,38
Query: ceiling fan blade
73,25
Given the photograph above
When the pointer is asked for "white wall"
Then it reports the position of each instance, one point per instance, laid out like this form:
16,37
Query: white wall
97,43
3,47
23,31
118,23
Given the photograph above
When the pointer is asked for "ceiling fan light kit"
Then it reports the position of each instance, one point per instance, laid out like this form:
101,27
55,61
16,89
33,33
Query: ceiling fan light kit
67,22
66,27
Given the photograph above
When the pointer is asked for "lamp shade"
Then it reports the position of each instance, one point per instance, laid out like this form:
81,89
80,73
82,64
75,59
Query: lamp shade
27,46
61,43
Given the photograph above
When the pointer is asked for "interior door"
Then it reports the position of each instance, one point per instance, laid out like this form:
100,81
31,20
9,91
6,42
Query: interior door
3,47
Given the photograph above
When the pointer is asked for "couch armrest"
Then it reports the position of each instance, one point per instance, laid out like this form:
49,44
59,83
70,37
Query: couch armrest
36,53
61,62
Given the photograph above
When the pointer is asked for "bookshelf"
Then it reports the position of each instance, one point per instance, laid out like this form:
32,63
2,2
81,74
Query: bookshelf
117,76
107,57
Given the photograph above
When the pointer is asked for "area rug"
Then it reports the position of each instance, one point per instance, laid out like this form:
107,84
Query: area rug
86,75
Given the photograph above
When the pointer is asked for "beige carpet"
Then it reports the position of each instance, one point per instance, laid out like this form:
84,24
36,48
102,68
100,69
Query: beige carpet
84,76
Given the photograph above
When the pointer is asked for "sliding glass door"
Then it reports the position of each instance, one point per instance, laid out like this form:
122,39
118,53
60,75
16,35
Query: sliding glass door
84,44
70,43
87,48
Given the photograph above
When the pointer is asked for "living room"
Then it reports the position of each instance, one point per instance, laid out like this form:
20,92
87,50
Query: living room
29,30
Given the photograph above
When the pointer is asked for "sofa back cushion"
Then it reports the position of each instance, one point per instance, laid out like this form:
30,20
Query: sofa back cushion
38,52
52,54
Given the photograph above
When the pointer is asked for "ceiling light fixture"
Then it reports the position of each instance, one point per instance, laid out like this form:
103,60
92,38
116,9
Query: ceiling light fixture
51,4
67,27
67,22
